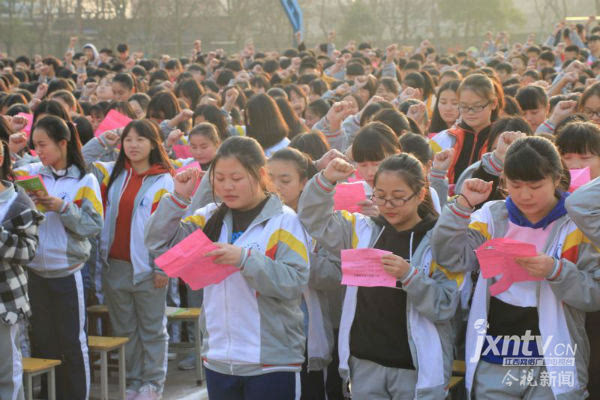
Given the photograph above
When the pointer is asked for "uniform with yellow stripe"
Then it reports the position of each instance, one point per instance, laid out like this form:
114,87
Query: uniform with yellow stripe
432,293
146,201
252,321
64,236
562,301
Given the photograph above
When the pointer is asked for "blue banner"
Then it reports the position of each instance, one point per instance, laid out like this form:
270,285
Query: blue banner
294,13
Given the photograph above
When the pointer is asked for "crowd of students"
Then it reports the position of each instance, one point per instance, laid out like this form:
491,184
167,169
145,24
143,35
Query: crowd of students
452,150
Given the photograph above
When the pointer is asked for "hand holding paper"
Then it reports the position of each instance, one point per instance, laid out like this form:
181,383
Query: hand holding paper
347,196
33,185
364,267
187,260
497,259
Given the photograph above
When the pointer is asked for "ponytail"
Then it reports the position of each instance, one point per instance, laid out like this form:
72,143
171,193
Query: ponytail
57,130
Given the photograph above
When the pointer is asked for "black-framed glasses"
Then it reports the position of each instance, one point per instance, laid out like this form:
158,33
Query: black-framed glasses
394,201
472,109
591,113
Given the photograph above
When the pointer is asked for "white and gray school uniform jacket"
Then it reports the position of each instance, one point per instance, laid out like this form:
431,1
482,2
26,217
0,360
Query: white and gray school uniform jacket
432,292
325,275
64,236
252,322
146,201
491,164
583,206
561,302
152,189
336,139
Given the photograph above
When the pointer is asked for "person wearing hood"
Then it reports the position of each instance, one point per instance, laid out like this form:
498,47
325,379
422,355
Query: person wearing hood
394,342
135,289
92,54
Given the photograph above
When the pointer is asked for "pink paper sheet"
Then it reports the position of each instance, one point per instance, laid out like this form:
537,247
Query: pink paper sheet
362,267
29,118
112,120
579,177
348,195
182,151
194,164
497,257
186,260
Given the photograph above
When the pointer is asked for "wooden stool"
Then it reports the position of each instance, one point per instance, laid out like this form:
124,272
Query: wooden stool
95,313
104,345
173,314
39,366
189,315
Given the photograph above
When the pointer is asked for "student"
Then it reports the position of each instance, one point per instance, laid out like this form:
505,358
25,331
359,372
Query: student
253,342
134,288
315,110
203,142
489,168
289,170
373,144
479,101
265,123
74,214
445,112
139,103
534,103
423,83
123,87
589,103
298,99
393,343
579,146
296,125
19,222
419,147
551,311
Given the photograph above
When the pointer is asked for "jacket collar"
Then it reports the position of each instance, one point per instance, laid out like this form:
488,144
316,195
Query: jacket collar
516,217
72,172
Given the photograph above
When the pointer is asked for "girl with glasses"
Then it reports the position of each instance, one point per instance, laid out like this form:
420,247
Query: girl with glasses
388,333
480,100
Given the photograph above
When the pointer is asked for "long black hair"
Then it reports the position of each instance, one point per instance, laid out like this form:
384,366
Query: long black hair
264,121
58,129
149,130
437,123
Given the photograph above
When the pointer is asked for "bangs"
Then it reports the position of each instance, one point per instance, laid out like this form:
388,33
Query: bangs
366,149
532,159
579,138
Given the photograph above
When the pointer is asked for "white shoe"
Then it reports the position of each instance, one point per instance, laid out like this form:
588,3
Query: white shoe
148,392
171,356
